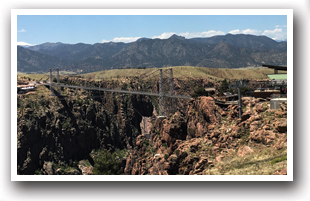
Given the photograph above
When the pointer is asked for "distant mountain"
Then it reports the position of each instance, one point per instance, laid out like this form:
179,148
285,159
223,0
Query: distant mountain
243,41
45,46
79,51
229,51
32,61
140,39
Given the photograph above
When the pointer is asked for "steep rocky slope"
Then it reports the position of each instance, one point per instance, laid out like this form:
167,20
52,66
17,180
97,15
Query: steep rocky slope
210,140
61,135
64,131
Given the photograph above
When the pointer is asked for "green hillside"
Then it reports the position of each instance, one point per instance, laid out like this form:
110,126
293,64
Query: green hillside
182,72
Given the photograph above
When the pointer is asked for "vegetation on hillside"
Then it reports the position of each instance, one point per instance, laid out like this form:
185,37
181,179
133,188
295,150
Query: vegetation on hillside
109,163
180,72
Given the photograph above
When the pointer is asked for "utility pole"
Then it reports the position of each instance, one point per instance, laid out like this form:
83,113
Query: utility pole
240,103
239,84
51,83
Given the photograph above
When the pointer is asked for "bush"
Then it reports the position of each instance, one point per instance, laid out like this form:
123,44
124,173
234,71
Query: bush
166,156
107,163
224,86
66,124
146,142
200,91
277,160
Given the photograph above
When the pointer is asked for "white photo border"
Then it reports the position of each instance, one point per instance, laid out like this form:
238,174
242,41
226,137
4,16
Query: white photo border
287,12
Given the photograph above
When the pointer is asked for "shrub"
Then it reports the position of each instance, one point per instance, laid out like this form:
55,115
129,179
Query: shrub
38,172
146,142
177,152
166,156
66,124
106,163
224,86
164,144
244,90
200,91
277,160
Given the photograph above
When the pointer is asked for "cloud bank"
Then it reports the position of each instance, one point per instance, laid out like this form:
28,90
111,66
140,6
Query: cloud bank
122,39
202,34
276,34
24,44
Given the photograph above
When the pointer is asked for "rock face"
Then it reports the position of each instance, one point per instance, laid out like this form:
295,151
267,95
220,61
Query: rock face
192,142
55,135
62,132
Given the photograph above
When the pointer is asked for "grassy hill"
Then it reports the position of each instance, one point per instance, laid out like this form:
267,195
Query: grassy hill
182,72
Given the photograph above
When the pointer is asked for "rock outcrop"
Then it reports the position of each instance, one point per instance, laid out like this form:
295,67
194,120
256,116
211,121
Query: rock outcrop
60,132
192,142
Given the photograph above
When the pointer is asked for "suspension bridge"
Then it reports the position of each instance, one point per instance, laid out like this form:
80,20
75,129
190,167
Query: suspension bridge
162,92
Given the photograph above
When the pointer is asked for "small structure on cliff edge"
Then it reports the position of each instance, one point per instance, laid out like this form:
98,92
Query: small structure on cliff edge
210,91
279,81
227,96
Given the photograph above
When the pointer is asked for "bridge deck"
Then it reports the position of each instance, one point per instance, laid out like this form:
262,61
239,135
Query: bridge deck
118,91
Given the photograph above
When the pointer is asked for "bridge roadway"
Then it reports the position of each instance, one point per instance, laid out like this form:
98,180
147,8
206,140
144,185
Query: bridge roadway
118,91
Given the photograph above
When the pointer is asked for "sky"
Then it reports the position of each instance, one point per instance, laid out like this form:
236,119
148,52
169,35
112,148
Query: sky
91,29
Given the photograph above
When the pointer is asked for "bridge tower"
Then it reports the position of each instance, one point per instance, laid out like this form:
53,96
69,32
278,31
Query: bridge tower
51,83
171,82
161,93
58,79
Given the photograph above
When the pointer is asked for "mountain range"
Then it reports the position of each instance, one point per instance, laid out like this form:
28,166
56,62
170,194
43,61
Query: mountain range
227,51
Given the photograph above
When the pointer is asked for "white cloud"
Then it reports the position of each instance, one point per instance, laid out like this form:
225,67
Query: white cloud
22,30
24,44
236,31
276,34
252,32
122,39
164,35
246,31
201,34
278,26
277,30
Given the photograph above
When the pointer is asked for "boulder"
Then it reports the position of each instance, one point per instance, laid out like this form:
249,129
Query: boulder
281,125
48,168
259,108
201,163
245,150
245,116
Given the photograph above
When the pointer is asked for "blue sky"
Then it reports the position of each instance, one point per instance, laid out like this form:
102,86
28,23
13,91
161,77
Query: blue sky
90,29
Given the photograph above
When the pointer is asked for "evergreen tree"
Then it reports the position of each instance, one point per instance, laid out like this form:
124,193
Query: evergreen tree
107,163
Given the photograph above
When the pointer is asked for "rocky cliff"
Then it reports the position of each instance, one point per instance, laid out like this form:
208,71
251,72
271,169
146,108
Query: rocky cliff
60,135
64,131
208,139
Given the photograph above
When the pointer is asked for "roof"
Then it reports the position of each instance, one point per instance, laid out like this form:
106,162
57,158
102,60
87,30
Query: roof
275,67
266,90
278,76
